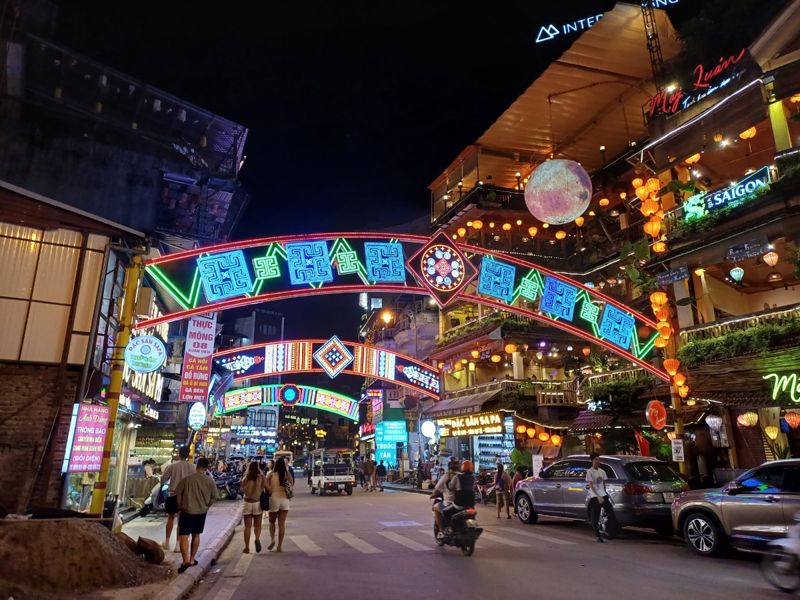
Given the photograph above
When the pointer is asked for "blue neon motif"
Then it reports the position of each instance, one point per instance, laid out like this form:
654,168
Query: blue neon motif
617,326
308,262
497,279
558,298
385,262
224,275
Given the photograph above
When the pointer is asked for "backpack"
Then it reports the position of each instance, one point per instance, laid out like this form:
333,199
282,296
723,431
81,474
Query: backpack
465,496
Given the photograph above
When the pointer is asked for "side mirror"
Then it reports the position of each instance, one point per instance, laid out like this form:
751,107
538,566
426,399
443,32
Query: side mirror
543,474
734,487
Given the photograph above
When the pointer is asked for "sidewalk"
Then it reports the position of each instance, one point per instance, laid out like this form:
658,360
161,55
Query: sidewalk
223,517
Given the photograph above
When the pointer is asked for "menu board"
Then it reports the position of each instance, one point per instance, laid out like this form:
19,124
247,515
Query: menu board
89,438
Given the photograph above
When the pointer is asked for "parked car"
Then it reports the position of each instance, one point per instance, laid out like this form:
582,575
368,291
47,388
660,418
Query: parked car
753,509
641,490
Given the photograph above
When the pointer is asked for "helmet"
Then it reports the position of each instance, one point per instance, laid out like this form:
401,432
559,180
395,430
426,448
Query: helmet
467,467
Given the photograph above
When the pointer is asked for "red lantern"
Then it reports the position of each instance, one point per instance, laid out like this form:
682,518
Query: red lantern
586,351
792,419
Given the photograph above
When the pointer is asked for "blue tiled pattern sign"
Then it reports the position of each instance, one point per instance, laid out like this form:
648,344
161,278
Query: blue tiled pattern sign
617,326
385,262
497,279
224,275
308,262
558,298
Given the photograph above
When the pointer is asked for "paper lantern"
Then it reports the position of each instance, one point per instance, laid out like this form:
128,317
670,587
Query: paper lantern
714,422
464,361
792,419
679,379
649,207
658,298
683,391
461,232
718,137
555,439
653,228
496,358
748,419
475,354
749,134
694,158
637,183
531,432
642,193
506,226
772,431
671,366
659,247
604,202
653,185
737,274
561,234
580,221
521,429
544,436
558,192
532,231
510,348
660,342
663,313
771,258
665,330
477,224
586,351
671,435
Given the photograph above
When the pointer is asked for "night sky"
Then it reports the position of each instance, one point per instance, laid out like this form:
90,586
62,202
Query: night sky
353,107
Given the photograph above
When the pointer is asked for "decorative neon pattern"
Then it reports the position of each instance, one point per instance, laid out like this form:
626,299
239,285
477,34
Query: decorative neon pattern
290,395
497,279
224,275
333,357
385,262
558,298
617,326
441,268
308,262
788,384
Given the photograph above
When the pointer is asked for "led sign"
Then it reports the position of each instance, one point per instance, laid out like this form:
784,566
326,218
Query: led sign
197,416
785,384
388,434
700,205
145,354
550,31
480,424
276,395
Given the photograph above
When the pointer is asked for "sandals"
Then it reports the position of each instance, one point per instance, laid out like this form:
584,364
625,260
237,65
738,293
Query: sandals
258,545
271,545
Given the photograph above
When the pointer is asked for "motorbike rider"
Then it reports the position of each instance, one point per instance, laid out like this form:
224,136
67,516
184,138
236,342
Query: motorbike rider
446,493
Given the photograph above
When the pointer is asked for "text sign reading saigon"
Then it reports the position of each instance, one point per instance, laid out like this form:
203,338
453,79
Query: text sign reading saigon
701,204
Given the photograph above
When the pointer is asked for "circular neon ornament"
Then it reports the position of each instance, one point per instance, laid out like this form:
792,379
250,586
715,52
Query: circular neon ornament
442,268
289,395
558,192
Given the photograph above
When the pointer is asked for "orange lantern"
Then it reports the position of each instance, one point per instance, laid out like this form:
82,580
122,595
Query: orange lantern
653,228
642,193
792,419
658,298
671,365
496,358
477,224
643,331
748,134
531,432
663,313
660,342
510,348
679,379
561,234
532,231
521,429
637,183
653,185
655,308
659,247
555,439
603,202
475,354
665,330
580,221
694,158
683,391
586,351
461,232
544,436
649,207
506,226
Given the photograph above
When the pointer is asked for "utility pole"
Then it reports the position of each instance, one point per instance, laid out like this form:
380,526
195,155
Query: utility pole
133,275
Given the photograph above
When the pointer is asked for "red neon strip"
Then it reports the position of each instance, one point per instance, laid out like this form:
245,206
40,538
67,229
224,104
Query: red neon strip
283,239
523,263
572,329
347,372
245,300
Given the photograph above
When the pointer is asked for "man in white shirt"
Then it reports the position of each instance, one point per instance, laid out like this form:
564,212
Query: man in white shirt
447,493
598,496
174,473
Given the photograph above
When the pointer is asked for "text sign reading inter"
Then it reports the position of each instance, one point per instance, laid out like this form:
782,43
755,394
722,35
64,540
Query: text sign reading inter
700,205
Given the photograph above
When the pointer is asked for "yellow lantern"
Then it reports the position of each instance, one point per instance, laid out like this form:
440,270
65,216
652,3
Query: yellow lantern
653,228
658,298
604,202
663,313
464,361
461,232
532,231
772,431
637,183
660,342
545,225
649,207
642,193
475,354
506,226
561,234
679,379
771,258
580,221
510,348
521,429
748,134
496,358
748,419
555,439
477,224
683,391
693,159
660,247
544,436
665,330
671,366
653,185
531,432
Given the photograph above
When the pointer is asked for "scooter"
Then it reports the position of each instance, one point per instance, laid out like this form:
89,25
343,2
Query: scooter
461,532
781,563
485,489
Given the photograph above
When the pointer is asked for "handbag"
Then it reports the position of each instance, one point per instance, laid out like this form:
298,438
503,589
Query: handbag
263,500
289,489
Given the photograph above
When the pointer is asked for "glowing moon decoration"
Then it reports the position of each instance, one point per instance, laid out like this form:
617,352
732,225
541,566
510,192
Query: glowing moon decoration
558,192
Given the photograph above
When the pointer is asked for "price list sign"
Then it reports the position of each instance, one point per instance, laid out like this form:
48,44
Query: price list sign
89,438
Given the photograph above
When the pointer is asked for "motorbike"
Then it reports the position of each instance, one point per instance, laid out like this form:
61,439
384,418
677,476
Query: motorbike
462,531
154,502
781,563
228,486
485,489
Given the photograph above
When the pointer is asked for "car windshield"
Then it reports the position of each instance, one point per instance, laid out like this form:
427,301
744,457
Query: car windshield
651,471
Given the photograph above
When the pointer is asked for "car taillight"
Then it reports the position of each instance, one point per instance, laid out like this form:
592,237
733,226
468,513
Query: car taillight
470,511
637,489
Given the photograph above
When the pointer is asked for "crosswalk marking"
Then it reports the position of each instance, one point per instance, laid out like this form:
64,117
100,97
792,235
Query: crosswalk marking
404,541
231,582
498,540
539,536
358,543
306,545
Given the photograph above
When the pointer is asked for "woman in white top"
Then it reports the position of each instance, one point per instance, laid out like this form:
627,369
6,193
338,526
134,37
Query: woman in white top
253,483
277,482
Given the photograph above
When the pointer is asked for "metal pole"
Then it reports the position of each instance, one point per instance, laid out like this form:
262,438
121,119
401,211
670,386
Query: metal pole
133,275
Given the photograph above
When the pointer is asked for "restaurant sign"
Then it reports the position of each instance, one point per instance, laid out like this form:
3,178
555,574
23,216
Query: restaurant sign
673,275
700,205
145,354
784,386
479,424
89,438
749,249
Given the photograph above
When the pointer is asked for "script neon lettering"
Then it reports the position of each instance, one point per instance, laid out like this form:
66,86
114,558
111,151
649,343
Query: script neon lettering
703,77
784,383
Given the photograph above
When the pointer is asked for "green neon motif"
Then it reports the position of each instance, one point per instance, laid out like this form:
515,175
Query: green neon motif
264,265
784,383
185,301
348,262
589,311
529,286
343,254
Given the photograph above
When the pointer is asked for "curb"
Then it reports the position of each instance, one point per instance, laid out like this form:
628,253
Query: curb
410,490
206,558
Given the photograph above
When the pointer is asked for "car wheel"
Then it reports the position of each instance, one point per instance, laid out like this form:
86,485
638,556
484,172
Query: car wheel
702,534
524,509
608,529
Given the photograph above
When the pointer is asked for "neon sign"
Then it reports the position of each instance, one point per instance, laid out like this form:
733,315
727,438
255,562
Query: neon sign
789,384
301,396
480,424
549,32
388,434
700,205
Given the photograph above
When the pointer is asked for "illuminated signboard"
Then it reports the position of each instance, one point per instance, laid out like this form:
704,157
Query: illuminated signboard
789,385
308,397
197,416
88,439
196,373
388,434
479,424
700,205
551,31
252,430
145,354
617,326
366,429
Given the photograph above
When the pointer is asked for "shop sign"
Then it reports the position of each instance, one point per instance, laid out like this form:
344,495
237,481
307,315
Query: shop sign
252,430
145,354
197,358
550,31
149,412
700,205
784,385
673,275
479,424
388,434
366,429
750,249
89,438
677,451
656,414
197,416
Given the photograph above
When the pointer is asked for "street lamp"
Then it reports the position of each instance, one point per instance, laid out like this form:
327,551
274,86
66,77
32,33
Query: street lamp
386,316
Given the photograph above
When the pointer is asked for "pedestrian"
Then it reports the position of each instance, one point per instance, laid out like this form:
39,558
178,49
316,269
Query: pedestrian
253,484
196,494
598,496
174,473
502,487
380,474
280,487
518,476
361,479
369,473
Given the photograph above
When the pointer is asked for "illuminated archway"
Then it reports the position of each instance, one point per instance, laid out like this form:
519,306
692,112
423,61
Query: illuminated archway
266,269
290,395
333,357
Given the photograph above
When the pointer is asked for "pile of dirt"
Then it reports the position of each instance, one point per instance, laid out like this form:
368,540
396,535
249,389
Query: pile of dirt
64,558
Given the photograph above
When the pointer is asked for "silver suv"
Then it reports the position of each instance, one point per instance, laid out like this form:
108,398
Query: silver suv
641,489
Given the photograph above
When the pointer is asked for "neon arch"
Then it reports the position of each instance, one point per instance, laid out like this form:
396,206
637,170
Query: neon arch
290,395
275,268
332,357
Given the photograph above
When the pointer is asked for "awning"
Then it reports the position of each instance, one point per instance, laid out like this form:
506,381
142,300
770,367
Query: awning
589,421
463,405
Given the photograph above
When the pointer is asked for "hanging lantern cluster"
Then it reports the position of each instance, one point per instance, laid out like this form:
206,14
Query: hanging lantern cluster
660,306
539,433
647,192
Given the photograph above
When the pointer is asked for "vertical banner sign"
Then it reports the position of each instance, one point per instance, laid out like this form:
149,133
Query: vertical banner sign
197,358
89,439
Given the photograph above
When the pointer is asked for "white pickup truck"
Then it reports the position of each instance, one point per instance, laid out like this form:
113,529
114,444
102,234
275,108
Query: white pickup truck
332,471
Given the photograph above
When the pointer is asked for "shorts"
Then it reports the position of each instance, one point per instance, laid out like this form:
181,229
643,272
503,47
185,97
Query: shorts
276,504
171,505
191,524
252,509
